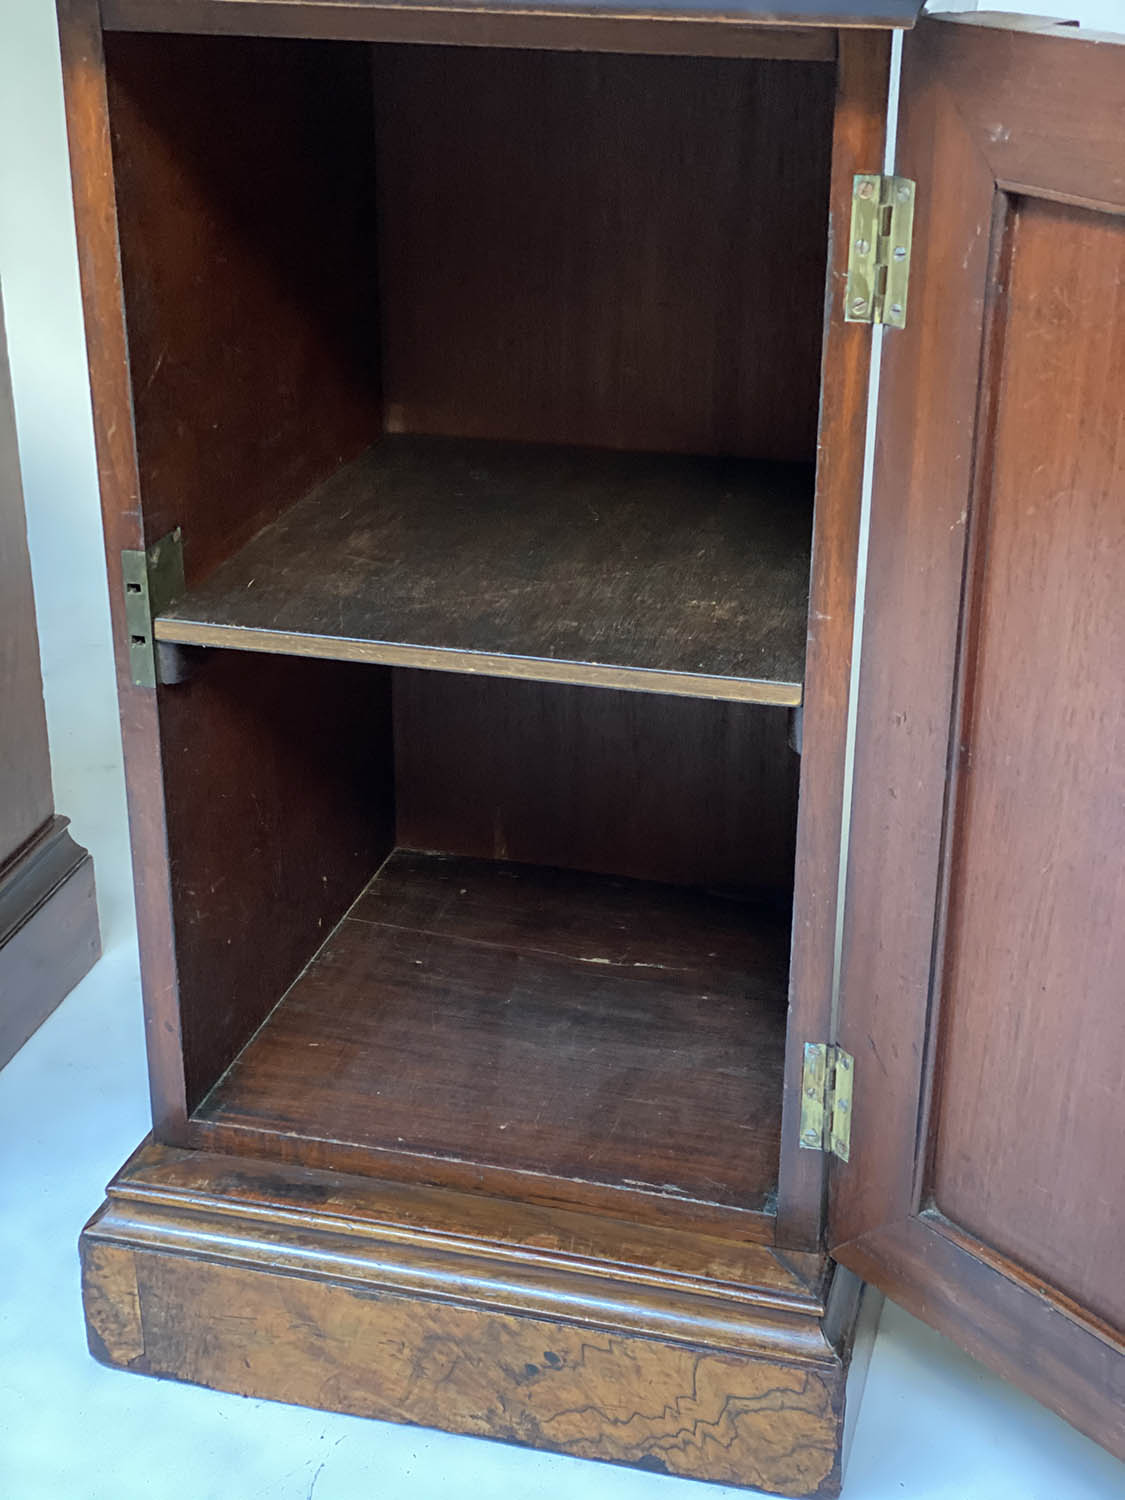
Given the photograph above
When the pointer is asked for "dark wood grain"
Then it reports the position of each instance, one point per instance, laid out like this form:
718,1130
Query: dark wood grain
331,1292
577,1028
683,790
982,1004
244,181
584,250
280,802
749,29
673,574
857,146
436,25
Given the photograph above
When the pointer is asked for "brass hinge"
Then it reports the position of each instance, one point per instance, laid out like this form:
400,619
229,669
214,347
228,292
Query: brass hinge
152,580
826,1099
879,251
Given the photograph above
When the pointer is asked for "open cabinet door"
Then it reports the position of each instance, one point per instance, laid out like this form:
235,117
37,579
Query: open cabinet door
982,991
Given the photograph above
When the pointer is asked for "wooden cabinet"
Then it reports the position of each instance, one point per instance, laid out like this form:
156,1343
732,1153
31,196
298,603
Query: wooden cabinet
545,850
49,934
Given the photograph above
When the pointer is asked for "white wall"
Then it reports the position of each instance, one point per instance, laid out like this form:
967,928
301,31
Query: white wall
38,270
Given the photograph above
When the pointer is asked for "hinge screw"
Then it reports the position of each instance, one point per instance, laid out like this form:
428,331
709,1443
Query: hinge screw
900,252
811,1137
859,305
862,247
903,192
865,189
896,309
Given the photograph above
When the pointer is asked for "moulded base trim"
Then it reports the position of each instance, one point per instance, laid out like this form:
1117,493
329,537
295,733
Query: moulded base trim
558,1329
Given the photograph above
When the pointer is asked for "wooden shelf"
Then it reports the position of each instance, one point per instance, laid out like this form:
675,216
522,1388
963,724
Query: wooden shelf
655,572
565,1036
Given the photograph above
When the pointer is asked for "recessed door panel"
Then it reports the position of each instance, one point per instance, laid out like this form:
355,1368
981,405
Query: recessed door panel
1030,1098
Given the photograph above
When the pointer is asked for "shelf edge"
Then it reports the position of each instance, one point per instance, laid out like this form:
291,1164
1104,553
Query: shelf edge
480,663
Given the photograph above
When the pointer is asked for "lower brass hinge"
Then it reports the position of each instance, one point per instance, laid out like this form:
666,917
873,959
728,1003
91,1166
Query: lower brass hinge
826,1099
882,235
152,580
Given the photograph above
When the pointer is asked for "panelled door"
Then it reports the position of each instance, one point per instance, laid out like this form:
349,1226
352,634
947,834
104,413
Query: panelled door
983,972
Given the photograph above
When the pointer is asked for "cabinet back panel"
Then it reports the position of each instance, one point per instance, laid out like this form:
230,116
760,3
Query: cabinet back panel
625,252
244,179
1030,1101
682,790
277,778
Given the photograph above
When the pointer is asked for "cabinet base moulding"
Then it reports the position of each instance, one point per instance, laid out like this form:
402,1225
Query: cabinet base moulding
49,935
551,1328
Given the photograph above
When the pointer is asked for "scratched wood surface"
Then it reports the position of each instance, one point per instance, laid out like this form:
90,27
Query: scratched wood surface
663,571
579,1028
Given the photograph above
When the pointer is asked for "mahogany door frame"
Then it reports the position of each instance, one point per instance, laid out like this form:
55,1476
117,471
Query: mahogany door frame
859,132
986,114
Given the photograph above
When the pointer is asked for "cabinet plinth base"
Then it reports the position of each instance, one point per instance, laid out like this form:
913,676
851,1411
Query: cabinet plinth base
49,935
666,1350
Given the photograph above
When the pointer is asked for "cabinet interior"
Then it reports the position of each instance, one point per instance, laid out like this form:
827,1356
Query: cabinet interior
484,387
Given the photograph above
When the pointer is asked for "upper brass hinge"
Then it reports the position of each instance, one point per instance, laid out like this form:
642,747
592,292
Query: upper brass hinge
879,251
826,1099
152,580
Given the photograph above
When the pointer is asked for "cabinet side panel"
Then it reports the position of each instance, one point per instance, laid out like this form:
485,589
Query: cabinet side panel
25,761
100,270
1030,1160
279,794
613,251
245,198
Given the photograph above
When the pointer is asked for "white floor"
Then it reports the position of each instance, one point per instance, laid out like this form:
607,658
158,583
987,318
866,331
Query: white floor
72,1106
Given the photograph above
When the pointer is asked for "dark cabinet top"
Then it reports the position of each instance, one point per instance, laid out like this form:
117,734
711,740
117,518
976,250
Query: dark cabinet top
405,20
